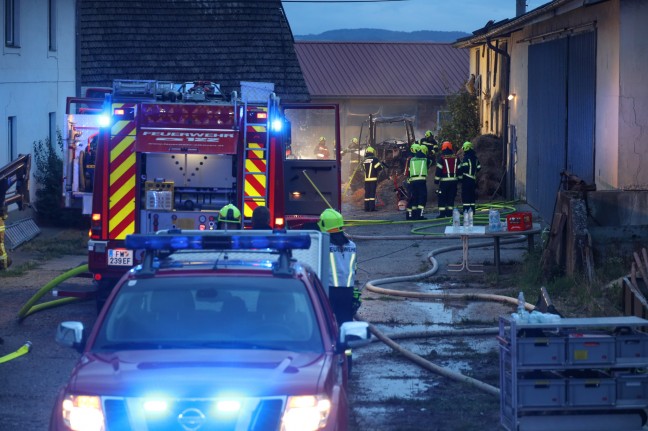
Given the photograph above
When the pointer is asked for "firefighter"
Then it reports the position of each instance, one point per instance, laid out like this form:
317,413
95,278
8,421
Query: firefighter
372,167
261,218
432,146
343,295
321,150
468,169
5,260
229,217
446,179
418,170
87,161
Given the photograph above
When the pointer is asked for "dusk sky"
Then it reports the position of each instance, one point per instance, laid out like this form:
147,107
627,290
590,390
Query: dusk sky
317,16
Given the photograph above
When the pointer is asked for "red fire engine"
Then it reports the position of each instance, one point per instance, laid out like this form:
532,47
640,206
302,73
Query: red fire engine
154,155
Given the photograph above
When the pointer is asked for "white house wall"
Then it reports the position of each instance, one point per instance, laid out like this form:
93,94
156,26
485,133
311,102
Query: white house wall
34,81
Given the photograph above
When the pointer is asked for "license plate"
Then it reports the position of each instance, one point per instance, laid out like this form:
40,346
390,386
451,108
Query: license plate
120,257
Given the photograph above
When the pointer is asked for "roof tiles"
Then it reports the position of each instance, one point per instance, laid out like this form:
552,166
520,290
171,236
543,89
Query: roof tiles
366,69
186,40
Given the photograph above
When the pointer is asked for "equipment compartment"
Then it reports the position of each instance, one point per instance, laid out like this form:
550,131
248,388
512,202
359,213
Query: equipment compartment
590,348
539,351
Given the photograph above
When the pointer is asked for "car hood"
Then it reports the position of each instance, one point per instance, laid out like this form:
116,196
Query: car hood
200,373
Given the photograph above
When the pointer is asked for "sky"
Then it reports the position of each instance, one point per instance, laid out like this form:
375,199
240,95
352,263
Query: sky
317,16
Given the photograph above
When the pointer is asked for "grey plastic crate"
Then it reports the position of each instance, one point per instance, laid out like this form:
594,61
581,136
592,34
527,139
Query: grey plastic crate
541,351
591,392
632,389
590,349
541,392
632,348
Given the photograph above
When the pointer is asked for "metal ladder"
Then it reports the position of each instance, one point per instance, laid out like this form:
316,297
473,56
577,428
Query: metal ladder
20,232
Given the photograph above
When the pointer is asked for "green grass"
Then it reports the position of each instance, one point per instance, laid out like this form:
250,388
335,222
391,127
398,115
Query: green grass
65,242
18,271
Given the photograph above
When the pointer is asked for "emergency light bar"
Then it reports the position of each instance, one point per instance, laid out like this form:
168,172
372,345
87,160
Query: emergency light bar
210,241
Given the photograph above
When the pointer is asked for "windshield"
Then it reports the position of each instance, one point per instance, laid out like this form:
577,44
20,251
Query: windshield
211,312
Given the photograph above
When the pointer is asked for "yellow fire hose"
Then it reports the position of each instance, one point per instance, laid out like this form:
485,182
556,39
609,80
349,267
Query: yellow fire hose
23,350
30,308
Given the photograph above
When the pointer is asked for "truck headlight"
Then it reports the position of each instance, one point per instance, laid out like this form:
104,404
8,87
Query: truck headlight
306,413
83,413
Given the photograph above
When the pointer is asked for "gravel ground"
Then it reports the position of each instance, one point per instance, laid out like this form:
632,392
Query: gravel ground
387,391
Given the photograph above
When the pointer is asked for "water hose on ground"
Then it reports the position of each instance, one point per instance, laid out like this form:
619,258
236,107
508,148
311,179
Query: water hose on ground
23,350
29,307
372,286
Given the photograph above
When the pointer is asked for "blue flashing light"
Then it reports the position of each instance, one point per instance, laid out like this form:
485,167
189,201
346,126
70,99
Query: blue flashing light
277,125
104,120
218,242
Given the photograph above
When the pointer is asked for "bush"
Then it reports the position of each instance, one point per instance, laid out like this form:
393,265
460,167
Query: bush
49,181
464,119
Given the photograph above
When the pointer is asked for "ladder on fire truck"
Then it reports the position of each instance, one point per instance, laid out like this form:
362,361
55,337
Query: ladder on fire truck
256,158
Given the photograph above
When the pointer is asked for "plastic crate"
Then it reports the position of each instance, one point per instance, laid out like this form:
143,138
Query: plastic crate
591,391
519,221
541,392
590,348
632,348
632,389
541,351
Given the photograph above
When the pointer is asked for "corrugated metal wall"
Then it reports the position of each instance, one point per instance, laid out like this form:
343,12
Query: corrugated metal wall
547,120
562,91
581,109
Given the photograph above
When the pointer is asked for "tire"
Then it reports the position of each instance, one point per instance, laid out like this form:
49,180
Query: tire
104,287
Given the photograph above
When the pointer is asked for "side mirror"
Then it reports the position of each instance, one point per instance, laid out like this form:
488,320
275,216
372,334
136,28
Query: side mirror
70,334
354,334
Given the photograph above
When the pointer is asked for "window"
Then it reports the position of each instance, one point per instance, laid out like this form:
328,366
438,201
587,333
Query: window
11,10
51,15
12,140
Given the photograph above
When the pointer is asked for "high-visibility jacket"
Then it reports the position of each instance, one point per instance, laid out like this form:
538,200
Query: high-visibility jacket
446,169
372,167
469,165
417,168
343,264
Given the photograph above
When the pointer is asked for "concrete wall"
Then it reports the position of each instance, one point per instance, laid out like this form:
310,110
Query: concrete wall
35,81
633,100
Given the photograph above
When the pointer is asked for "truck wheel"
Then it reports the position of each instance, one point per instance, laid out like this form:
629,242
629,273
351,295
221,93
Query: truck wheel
104,287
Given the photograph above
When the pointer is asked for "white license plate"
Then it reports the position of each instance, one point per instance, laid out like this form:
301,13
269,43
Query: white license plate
120,257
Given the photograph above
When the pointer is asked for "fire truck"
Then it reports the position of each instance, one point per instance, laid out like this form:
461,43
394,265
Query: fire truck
154,155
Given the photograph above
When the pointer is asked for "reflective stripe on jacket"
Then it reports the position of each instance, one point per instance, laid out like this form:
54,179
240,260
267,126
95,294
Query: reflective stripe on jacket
447,168
470,165
372,167
417,168
343,264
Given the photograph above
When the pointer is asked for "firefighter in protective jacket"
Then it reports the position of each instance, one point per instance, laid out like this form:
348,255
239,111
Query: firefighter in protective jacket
446,178
372,167
344,297
418,171
468,169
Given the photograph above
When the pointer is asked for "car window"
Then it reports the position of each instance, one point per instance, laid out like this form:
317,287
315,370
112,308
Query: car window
211,312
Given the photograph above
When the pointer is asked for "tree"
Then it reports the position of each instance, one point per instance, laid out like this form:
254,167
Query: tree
463,124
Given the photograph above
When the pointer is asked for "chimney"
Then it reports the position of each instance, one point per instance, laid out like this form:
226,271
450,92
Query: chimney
520,7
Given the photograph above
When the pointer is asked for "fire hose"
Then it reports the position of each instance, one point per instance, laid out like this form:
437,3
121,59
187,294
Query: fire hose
372,286
30,308
23,350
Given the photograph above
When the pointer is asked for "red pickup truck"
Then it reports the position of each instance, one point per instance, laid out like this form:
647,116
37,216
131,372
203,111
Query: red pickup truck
213,331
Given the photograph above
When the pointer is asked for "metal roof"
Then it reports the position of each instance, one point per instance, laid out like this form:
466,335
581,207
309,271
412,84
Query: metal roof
224,41
369,70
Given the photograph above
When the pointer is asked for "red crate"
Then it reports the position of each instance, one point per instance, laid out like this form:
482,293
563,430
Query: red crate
519,221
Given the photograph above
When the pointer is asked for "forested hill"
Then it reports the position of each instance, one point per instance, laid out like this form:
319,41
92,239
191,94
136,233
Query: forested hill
377,35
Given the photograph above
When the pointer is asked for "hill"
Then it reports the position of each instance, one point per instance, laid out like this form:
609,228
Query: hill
378,35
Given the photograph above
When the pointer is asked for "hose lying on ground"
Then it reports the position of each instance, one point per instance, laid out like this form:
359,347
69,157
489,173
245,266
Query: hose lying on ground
372,286
29,307
23,350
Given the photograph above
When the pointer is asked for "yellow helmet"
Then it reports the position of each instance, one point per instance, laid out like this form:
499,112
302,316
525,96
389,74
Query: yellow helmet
423,149
467,146
229,214
370,150
428,133
354,140
322,138
330,220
